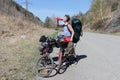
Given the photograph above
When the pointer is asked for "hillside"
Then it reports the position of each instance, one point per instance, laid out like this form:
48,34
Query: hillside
15,20
19,44
19,41
103,16
10,7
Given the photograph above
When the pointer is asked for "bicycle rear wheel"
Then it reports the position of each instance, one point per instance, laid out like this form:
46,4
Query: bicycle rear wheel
44,66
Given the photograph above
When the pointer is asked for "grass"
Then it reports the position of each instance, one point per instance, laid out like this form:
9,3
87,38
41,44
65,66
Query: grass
55,33
28,52
100,32
18,56
19,51
117,34
24,55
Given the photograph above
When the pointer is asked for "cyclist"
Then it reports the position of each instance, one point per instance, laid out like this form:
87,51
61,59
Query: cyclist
68,34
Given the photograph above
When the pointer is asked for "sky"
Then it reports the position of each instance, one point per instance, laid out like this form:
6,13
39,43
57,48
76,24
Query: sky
57,8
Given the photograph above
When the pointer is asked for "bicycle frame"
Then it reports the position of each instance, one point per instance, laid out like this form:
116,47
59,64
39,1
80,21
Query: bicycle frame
61,66
60,54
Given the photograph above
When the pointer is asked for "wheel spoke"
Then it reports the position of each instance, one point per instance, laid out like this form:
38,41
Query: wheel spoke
44,66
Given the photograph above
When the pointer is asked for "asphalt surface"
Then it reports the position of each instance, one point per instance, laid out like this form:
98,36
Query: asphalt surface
99,59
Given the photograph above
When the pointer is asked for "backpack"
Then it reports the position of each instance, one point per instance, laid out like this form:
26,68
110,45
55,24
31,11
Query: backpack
77,27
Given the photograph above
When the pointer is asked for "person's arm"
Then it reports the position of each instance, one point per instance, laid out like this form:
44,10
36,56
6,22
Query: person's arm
58,25
71,30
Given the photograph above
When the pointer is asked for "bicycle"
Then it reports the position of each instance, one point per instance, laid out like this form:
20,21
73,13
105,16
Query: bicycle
45,63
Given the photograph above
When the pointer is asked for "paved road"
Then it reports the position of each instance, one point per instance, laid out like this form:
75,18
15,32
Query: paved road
102,61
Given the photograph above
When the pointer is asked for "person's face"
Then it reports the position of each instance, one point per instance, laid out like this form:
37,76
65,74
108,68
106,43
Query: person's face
65,19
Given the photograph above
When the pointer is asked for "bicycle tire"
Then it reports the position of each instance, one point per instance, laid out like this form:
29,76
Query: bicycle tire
39,68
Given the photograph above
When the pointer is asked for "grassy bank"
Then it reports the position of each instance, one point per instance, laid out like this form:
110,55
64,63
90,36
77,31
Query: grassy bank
18,56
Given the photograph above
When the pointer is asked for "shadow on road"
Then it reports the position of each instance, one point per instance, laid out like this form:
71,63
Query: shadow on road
79,57
75,60
69,61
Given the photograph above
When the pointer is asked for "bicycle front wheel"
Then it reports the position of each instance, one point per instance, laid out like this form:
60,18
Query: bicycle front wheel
44,66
